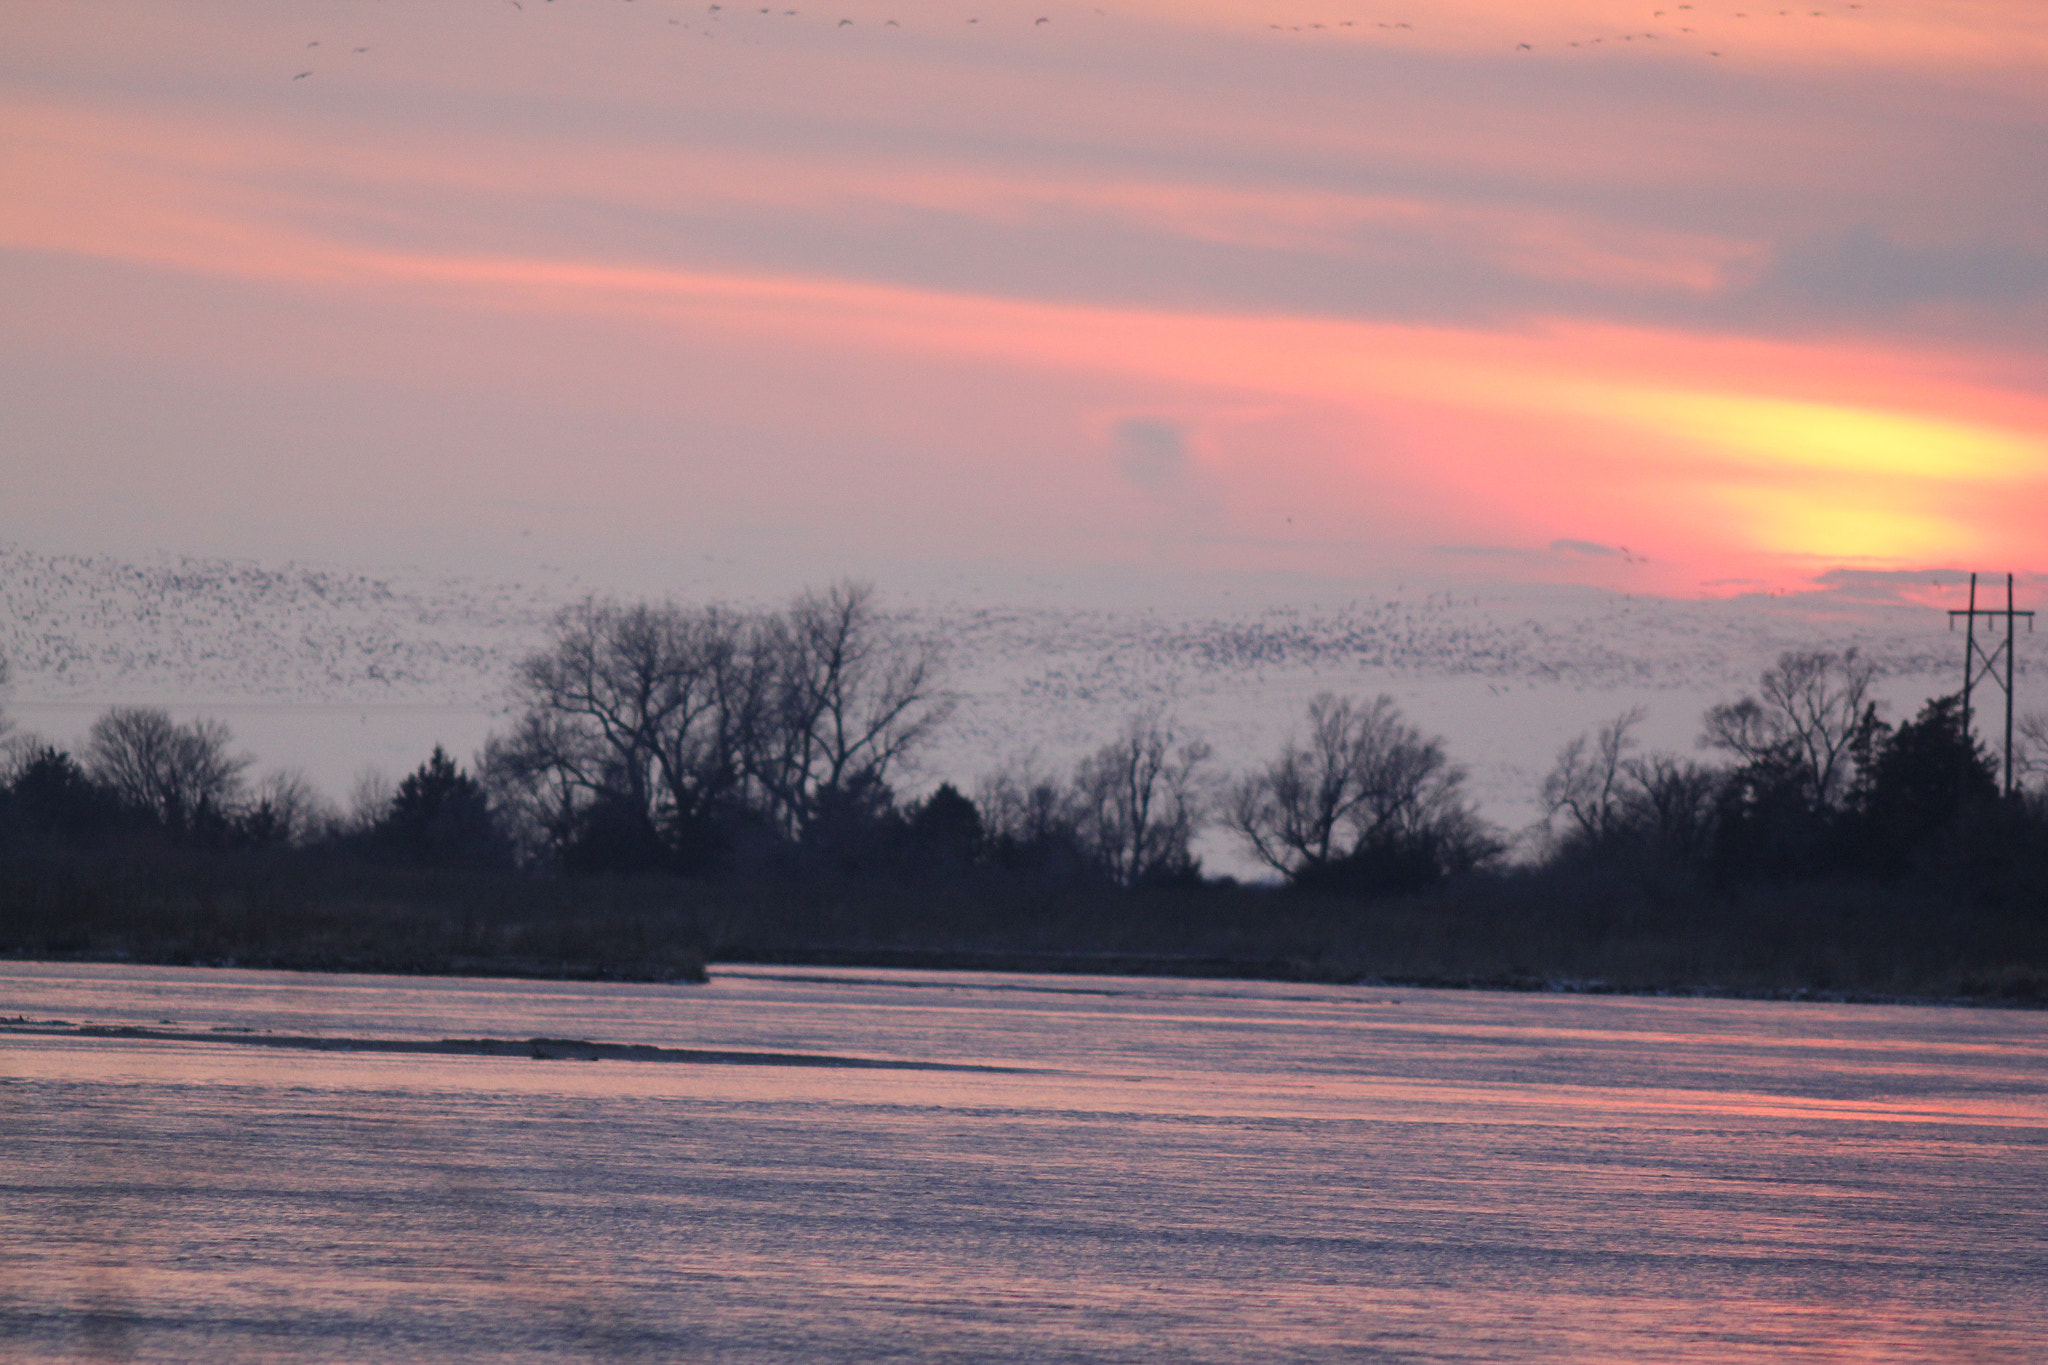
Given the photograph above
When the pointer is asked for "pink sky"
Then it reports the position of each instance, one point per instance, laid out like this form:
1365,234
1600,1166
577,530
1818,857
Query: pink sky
1680,298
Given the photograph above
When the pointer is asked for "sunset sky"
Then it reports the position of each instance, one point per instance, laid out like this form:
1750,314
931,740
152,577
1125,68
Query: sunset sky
1692,299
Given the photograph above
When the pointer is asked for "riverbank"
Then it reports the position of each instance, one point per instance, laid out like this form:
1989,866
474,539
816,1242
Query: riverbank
2021,990
1516,931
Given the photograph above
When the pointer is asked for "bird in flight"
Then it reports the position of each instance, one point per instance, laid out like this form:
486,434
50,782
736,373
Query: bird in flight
302,75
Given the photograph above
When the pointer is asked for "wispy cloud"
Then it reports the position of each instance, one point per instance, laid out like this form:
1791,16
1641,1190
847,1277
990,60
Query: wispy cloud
1423,286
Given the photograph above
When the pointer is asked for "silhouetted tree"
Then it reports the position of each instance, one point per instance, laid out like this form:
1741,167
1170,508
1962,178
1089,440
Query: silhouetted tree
853,829
2031,754
1366,803
640,722
1766,825
851,699
945,828
1612,803
1032,824
613,834
441,817
182,776
1141,800
1672,807
1801,724
703,730
51,796
1589,785
285,809
1923,780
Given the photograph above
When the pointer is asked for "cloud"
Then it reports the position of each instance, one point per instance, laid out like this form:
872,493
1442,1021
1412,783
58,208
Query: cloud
1418,289
1563,548
1584,547
1150,452
1864,271
1936,587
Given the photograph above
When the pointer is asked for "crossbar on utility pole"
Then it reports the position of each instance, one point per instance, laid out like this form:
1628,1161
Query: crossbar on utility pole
1979,662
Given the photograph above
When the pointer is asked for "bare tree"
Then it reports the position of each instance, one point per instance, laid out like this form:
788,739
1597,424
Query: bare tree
1602,794
368,798
852,699
286,808
533,780
1671,802
674,719
1811,705
1024,807
1363,778
1295,813
180,774
1141,800
654,707
1589,784
2030,755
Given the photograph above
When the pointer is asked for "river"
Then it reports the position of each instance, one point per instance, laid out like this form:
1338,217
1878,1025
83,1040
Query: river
864,1165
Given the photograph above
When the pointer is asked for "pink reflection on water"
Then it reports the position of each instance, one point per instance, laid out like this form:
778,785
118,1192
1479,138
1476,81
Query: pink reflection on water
1202,1171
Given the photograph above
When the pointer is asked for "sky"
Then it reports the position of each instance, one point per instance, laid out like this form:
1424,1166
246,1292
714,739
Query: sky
1683,299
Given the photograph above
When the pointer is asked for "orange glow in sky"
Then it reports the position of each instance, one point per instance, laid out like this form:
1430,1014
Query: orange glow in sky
1671,298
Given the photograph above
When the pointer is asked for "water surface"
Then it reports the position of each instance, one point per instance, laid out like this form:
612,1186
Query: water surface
1185,1171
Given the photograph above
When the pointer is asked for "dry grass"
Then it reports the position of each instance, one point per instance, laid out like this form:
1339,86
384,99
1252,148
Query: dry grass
1524,930
304,913
1572,929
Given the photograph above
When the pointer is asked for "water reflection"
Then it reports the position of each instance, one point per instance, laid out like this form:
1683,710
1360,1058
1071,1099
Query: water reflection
1197,1171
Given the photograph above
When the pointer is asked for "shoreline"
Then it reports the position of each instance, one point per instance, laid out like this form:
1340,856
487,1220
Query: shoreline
1080,965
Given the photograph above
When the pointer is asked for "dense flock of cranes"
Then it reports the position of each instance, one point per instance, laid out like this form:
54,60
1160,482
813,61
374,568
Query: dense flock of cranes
74,624
1047,679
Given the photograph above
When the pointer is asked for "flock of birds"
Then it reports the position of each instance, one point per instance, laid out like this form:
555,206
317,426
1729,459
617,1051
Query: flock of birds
94,626
1052,679
716,18
70,622
1680,26
315,43
1684,24
1688,30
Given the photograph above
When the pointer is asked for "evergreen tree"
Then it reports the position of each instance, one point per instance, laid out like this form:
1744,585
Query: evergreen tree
945,828
52,797
1922,781
441,817
1767,824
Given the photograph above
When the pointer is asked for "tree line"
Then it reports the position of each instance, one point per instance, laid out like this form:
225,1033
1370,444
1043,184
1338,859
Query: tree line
701,741
1813,781
660,739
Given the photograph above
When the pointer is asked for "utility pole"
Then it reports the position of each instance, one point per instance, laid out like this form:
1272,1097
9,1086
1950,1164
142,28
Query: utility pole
1979,662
